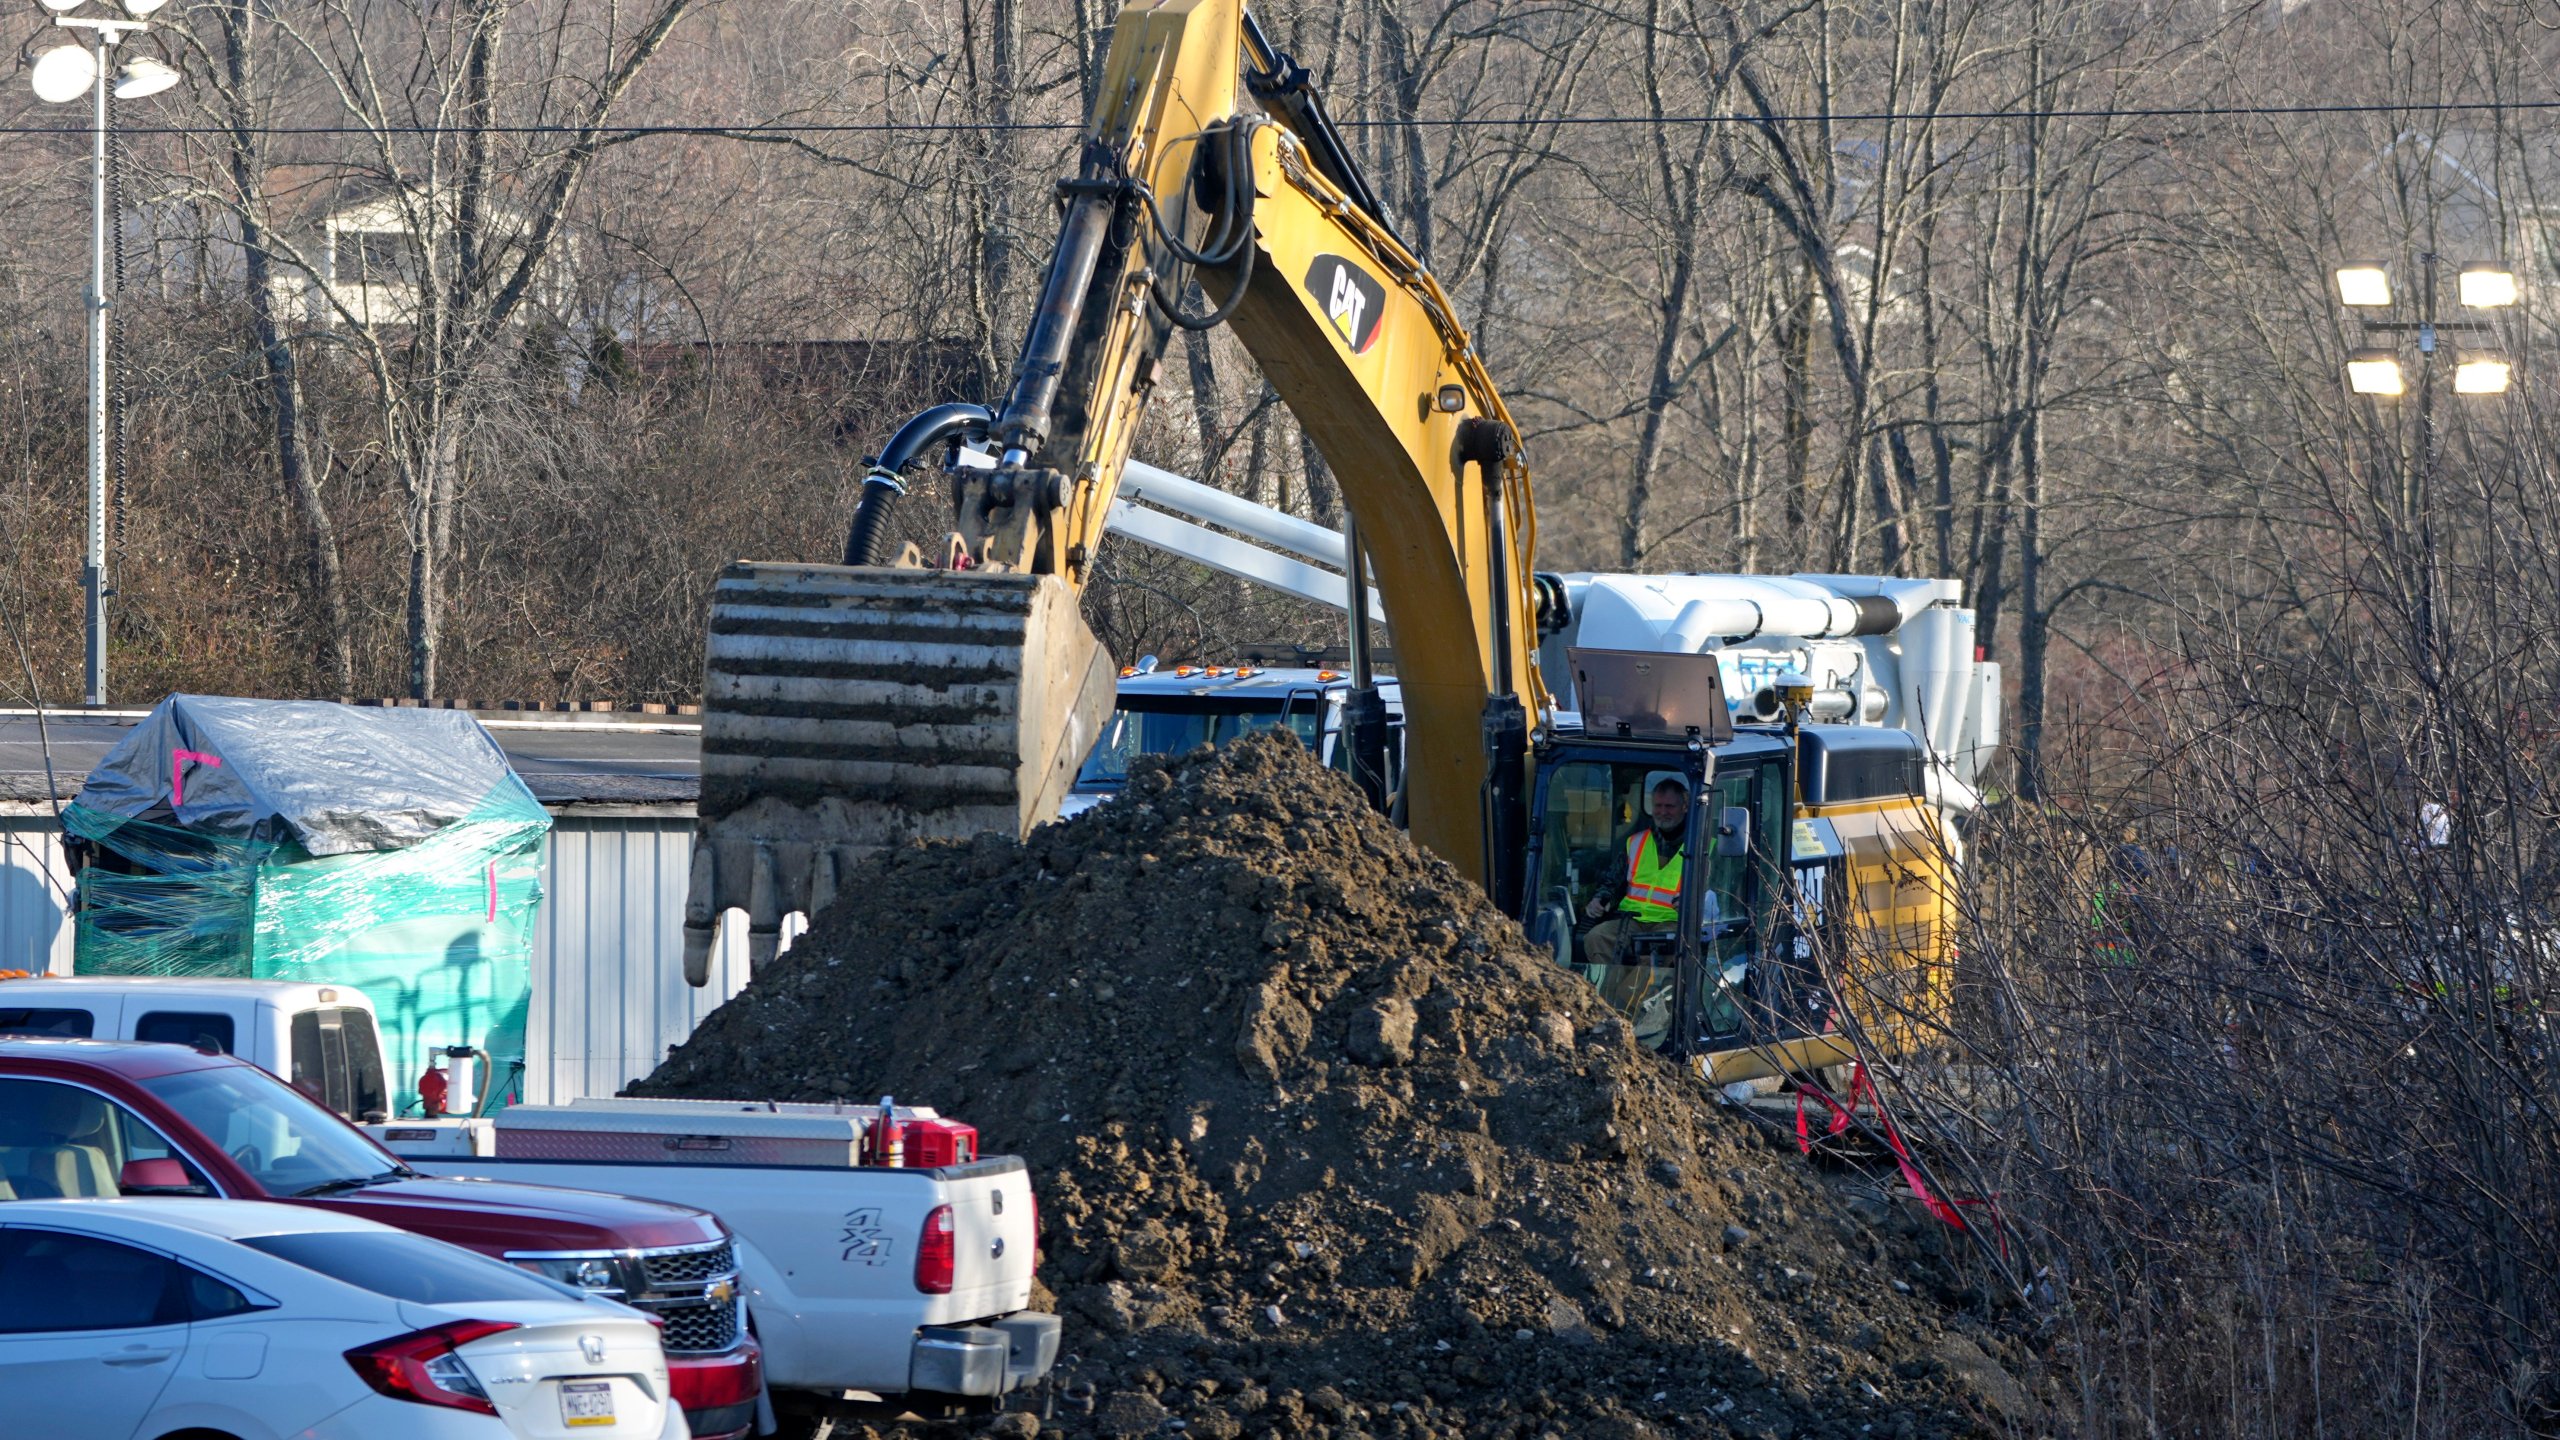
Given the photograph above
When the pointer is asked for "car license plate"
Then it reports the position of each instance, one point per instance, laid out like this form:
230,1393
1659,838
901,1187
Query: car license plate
588,1404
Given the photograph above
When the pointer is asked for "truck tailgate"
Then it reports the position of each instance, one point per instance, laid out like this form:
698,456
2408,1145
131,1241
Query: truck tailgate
828,1253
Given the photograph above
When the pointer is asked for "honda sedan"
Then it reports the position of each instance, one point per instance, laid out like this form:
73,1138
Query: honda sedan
241,1320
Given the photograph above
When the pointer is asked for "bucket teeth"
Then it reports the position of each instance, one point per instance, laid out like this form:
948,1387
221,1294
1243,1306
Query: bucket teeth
847,708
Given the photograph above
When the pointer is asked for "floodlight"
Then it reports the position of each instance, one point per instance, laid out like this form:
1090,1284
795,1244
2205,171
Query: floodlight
139,8
2364,284
143,76
2481,375
2487,287
64,73
2375,372
58,6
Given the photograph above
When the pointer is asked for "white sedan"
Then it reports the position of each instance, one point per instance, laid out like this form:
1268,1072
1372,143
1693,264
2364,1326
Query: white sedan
240,1320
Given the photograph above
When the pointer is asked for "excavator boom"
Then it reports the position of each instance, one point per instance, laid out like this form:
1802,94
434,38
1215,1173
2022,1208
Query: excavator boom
852,706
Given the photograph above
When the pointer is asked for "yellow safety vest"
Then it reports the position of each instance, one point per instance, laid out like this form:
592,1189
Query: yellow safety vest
1653,883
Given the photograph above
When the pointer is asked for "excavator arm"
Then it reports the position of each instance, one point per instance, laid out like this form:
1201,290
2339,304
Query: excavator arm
850,706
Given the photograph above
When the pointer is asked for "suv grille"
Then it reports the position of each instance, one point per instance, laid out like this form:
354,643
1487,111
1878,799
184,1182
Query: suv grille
695,1291
698,1327
689,1267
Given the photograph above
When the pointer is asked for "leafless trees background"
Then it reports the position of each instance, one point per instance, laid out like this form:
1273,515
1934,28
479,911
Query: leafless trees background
2030,293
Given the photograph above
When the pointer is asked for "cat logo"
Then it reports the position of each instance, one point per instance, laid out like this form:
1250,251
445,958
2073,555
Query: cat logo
1352,301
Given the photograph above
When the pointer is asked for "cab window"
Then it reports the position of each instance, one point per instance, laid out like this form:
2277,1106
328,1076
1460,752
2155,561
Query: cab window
66,1021
1338,754
335,1059
202,1030
1593,809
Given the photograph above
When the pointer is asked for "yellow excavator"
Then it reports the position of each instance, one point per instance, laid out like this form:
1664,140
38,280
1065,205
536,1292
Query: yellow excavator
853,706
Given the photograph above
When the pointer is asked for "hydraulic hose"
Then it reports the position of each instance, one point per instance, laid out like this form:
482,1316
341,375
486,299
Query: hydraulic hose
1230,237
940,425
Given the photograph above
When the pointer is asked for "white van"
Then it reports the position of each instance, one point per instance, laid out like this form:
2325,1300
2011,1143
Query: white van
320,1037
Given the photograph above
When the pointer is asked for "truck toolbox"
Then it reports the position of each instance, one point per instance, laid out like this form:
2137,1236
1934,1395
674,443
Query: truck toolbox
715,1132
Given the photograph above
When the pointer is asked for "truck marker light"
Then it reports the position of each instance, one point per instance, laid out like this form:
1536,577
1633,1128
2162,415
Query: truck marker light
937,1253
421,1366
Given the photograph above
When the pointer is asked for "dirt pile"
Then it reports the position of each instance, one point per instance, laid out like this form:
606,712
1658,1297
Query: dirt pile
1324,1150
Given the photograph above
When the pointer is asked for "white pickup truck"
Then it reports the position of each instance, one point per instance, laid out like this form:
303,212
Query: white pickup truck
909,1281
898,1271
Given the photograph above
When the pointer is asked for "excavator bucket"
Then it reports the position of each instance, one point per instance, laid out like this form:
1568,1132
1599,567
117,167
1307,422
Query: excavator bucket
848,708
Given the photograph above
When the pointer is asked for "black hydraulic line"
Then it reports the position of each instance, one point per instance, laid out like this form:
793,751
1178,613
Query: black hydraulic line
1224,158
1285,89
1364,710
940,425
1486,443
1093,203
1231,235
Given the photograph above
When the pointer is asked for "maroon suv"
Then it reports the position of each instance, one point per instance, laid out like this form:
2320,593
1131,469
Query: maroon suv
89,1117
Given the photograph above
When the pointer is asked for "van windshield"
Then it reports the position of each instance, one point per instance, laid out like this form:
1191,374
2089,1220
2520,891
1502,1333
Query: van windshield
286,1142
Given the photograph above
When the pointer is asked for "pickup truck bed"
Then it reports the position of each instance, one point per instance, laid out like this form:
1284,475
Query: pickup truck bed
838,1306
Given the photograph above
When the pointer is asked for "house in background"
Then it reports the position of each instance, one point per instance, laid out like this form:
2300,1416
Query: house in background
346,247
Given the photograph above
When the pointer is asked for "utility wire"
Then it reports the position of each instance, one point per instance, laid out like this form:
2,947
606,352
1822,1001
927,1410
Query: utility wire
950,127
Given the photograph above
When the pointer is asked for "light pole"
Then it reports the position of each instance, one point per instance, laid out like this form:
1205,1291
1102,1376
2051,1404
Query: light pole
2376,371
62,75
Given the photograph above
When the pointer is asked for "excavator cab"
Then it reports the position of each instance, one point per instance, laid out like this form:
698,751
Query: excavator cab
1593,802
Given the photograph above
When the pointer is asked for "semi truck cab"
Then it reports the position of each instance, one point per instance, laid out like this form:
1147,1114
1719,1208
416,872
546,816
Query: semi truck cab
1168,711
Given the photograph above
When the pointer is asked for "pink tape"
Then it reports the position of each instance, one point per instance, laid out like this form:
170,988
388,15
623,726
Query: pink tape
493,892
178,772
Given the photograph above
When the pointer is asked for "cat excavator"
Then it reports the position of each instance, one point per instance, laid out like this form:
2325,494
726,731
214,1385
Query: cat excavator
848,707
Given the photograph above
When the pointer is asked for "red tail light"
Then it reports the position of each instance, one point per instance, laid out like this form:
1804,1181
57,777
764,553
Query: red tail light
421,1365
937,1253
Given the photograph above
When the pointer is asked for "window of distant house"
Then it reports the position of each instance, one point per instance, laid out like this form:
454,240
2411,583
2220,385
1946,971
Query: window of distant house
372,257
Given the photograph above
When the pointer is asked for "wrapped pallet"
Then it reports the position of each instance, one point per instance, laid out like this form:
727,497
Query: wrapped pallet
393,850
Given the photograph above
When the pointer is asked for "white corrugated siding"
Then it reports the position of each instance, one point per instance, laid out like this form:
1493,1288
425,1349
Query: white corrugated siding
608,946
35,895
611,933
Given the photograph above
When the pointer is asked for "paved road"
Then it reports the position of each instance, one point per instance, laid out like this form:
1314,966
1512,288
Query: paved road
599,762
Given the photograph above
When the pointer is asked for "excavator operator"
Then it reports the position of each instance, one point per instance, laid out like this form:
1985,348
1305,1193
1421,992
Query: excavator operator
1646,888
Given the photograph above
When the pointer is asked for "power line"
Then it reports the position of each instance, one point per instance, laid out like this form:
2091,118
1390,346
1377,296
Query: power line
957,127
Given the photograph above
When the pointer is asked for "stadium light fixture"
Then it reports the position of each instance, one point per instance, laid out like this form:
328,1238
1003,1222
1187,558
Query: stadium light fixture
2366,284
2376,372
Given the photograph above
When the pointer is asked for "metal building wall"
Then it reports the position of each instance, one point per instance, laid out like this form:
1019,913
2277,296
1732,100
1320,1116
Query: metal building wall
608,944
35,892
611,934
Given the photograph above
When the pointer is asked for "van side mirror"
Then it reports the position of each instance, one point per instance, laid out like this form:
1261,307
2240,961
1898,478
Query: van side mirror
1733,831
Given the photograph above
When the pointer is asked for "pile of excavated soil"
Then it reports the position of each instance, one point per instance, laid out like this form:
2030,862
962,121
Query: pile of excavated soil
1325,1150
